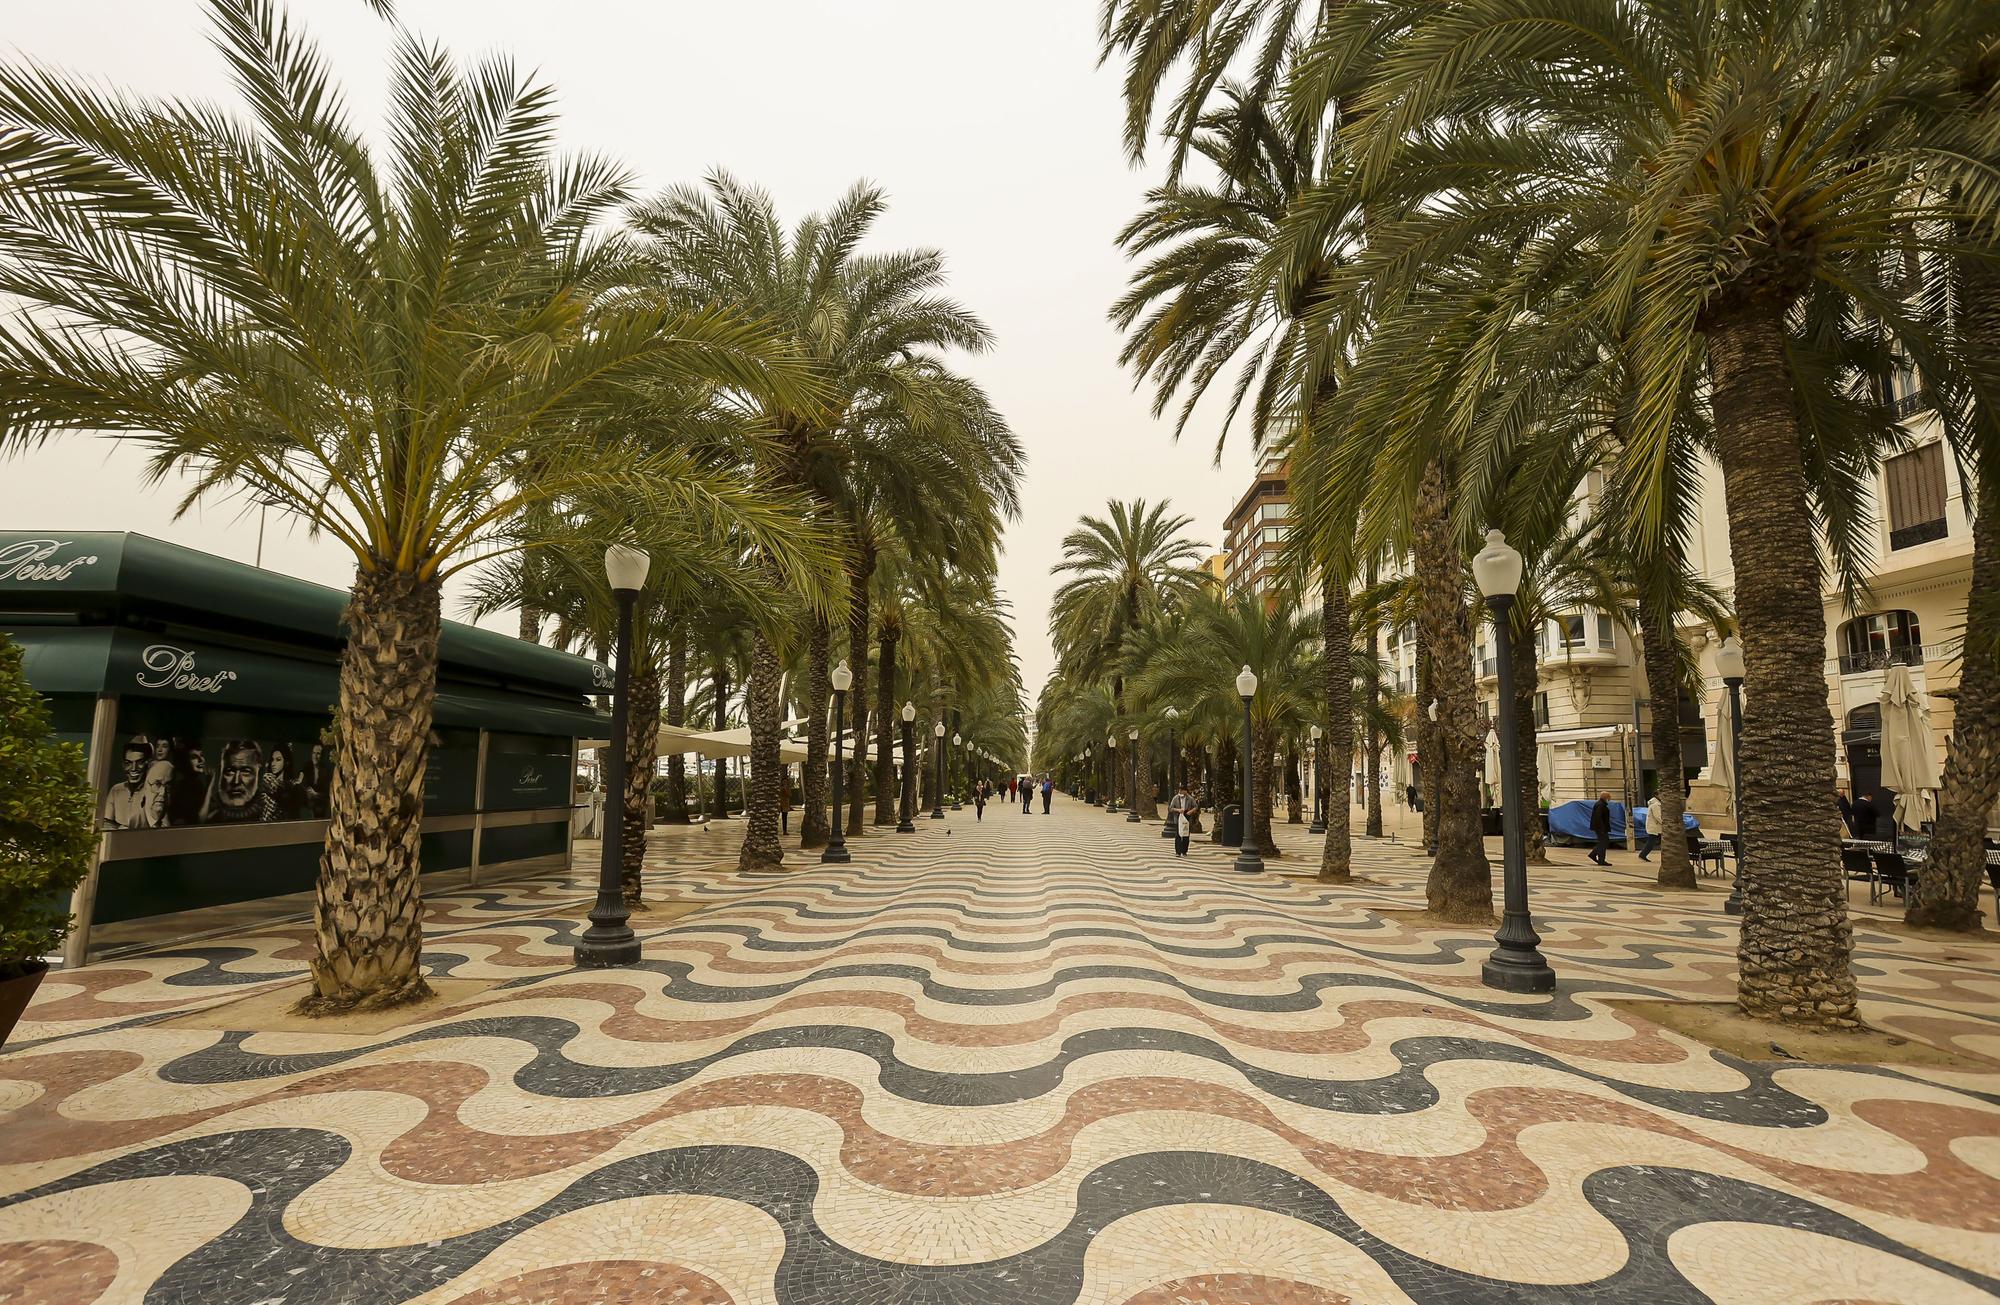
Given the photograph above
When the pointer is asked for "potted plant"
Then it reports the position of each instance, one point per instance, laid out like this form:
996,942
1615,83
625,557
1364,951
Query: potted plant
47,834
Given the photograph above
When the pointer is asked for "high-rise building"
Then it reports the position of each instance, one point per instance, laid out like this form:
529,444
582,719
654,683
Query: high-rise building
1254,532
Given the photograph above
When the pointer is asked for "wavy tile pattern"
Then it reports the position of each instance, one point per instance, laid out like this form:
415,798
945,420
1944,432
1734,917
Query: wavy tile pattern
1028,1061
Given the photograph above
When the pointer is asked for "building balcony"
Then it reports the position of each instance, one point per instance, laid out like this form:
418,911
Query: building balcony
1876,660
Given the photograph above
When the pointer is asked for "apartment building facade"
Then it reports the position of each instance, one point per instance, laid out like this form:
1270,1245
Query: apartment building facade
1255,530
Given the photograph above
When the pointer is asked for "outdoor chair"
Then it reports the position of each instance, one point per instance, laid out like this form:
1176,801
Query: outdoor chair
1707,853
1891,875
1855,863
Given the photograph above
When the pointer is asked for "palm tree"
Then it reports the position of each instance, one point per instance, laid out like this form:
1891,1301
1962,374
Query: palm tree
1124,569
1737,175
379,346
875,328
1274,641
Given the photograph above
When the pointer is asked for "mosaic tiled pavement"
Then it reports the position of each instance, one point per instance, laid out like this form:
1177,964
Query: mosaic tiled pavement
1031,1060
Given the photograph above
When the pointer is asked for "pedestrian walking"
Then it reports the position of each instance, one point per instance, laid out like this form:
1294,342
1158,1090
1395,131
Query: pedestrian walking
1181,811
1600,825
979,801
1651,842
1028,796
1048,793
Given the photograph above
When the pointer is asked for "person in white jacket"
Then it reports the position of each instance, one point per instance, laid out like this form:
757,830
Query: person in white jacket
1652,838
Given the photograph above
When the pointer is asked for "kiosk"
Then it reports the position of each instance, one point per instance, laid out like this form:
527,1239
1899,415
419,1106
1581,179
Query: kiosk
203,690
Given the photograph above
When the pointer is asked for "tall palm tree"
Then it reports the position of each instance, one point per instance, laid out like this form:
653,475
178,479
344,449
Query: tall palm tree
875,328
1272,639
379,345
1124,568
1738,173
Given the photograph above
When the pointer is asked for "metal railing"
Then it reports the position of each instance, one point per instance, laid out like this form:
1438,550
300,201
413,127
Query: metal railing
1882,659
1909,404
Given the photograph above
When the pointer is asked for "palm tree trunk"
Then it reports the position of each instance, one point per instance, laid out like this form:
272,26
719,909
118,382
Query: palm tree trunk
857,661
1294,788
368,929
1373,766
813,827
763,845
889,794
676,709
1947,895
641,756
1426,732
1527,750
1460,887
531,623
1337,666
1263,740
1661,648
1227,767
719,682
1793,954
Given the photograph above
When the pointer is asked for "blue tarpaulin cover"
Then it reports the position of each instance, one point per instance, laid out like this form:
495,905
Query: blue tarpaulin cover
1572,820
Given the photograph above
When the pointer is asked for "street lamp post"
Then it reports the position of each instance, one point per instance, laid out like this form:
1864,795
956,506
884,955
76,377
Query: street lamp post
1516,963
1090,768
835,851
1111,771
610,941
956,740
1318,825
937,793
1173,715
1729,663
1249,855
909,795
1132,806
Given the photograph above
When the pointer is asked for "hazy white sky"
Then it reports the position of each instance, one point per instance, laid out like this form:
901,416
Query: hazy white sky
990,126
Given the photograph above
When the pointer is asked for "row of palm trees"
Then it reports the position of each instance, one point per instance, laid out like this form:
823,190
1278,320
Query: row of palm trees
1449,259
457,351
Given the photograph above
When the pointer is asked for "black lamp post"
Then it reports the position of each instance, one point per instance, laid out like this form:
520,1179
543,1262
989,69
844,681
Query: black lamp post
1173,789
836,843
609,941
909,802
956,739
1516,964
1249,855
1111,771
1132,804
1318,771
937,794
1729,662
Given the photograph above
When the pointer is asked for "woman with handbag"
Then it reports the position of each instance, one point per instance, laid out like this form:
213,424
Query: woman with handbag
1182,811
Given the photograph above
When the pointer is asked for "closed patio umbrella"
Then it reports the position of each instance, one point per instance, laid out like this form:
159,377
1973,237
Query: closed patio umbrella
1909,758
1722,750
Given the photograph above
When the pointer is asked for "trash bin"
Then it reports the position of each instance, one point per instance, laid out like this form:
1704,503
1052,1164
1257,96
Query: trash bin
1232,825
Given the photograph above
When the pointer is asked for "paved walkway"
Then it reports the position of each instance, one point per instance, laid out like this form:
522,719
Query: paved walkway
1032,1059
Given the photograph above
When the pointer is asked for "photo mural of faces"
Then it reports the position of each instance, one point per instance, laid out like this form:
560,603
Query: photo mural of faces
166,781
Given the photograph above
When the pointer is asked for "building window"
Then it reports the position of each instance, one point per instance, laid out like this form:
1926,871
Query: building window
1542,710
1570,631
1916,494
1604,637
1880,640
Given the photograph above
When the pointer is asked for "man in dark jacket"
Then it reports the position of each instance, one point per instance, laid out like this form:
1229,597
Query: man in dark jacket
1600,825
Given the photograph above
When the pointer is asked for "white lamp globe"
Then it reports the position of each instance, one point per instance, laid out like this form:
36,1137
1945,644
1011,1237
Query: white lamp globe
1729,659
909,712
1497,567
1246,682
843,679
625,567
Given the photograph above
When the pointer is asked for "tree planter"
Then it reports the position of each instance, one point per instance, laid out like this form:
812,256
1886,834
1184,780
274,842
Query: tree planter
16,993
